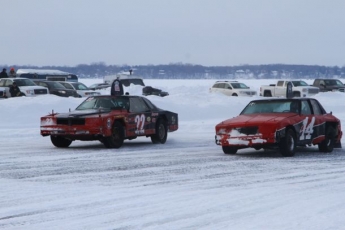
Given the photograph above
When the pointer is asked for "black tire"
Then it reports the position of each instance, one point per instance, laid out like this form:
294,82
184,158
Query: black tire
161,134
287,145
234,94
267,94
327,145
60,142
117,137
229,149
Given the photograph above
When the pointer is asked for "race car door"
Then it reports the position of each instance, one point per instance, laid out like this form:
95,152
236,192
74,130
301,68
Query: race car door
140,122
309,128
320,120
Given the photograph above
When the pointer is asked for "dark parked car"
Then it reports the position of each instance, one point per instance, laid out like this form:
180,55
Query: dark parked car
329,85
57,89
149,90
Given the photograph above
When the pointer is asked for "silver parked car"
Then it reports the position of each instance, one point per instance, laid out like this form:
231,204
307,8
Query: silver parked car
232,88
82,89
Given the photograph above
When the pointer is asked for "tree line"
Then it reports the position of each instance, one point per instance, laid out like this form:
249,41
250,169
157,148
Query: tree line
190,71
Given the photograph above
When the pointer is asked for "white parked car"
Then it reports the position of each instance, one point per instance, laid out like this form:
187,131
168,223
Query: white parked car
232,88
26,86
82,89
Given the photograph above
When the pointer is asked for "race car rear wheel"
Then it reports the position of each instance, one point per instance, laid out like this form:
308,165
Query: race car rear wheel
117,137
327,145
161,134
287,145
229,150
60,142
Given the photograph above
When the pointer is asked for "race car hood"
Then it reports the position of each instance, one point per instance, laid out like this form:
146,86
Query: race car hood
82,113
257,118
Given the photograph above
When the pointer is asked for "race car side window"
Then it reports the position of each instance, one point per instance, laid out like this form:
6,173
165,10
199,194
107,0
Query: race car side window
137,105
306,108
316,108
150,104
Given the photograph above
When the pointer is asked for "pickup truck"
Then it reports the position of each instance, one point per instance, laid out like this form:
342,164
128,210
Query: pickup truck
299,88
329,85
26,86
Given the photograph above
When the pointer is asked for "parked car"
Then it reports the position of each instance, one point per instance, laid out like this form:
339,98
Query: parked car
110,120
81,89
299,89
326,84
97,86
280,123
26,86
149,90
232,88
126,79
57,89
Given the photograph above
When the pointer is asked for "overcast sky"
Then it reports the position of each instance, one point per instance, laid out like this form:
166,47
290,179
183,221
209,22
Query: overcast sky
141,32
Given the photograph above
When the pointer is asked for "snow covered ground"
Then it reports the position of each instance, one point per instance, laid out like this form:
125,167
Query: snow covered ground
187,183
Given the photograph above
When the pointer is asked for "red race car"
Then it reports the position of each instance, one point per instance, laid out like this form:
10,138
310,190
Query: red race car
111,120
280,123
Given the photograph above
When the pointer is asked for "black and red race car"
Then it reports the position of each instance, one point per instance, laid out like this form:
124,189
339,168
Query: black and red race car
280,123
111,120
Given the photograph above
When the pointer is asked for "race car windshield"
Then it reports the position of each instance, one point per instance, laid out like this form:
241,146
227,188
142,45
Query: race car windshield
104,103
286,106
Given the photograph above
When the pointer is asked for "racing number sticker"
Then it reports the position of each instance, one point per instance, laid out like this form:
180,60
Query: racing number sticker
140,120
307,129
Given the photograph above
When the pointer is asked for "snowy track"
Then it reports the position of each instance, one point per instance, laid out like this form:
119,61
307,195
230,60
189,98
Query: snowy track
187,183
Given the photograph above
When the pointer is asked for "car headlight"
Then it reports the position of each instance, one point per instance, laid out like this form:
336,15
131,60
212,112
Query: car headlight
62,91
304,90
29,92
222,131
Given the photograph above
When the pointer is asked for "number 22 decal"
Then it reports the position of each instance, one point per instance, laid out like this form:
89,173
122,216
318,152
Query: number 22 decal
307,129
140,120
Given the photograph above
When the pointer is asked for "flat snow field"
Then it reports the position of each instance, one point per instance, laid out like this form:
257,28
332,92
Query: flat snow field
187,183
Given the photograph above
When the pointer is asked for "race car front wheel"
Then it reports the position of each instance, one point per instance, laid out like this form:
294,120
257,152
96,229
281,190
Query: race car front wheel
161,134
117,136
287,145
327,144
60,142
229,150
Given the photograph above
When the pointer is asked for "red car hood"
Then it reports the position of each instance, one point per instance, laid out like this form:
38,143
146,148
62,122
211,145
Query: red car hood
256,119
